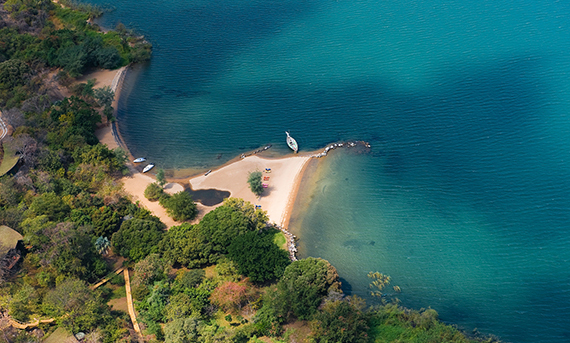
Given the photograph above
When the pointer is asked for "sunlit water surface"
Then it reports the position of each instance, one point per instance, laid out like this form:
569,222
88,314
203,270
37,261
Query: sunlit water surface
464,198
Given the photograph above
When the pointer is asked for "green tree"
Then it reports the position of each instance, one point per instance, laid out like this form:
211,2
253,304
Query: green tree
51,205
304,285
105,221
102,244
160,178
182,330
257,217
181,244
148,270
180,206
258,257
340,322
100,155
75,306
105,97
188,279
14,73
254,180
137,238
153,192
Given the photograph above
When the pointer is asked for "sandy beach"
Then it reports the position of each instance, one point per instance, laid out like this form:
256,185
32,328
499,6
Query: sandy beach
135,185
278,197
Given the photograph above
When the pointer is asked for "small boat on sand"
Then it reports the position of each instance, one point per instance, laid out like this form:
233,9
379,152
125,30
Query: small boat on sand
208,172
148,167
139,160
292,143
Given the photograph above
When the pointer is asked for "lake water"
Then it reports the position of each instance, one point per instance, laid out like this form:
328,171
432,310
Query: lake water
464,198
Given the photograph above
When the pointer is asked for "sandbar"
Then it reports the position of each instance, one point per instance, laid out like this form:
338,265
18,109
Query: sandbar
283,181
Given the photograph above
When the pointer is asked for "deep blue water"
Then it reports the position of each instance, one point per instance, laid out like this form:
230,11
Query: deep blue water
464,198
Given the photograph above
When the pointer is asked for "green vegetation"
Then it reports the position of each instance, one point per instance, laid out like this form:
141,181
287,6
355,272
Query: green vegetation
160,178
254,180
9,159
280,240
153,192
138,238
257,257
48,35
67,202
179,206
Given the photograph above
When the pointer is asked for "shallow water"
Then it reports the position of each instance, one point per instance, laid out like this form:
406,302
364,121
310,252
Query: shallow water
464,198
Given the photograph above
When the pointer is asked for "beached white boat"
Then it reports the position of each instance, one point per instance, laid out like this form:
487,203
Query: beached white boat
292,143
139,160
148,167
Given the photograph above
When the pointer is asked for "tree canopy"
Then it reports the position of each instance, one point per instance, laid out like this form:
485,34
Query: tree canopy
304,285
258,257
137,238
179,206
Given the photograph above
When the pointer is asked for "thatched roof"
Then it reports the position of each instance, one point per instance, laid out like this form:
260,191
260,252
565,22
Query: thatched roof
8,239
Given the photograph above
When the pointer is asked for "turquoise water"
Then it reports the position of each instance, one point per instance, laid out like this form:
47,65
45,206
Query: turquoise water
464,198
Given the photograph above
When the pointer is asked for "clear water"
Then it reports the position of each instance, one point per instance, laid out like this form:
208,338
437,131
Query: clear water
464,198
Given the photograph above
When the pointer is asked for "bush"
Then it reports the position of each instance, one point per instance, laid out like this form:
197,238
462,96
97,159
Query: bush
180,206
153,192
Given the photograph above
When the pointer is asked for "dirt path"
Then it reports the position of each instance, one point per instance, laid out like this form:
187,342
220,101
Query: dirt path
130,305
102,282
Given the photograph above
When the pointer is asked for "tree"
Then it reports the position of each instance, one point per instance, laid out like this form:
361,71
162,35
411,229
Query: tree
160,178
182,330
180,206
105,97
258,257
102,245
51,205
257,217
75,306
148,270
100,155
254,180
14,73
105,221
153,192
181,244
304,284
137,238
25,146
232,296
340,322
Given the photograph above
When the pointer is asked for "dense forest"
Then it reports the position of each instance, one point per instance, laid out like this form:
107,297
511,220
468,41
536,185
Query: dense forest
223,279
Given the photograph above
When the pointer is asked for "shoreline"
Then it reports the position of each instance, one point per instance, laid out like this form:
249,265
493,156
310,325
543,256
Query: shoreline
283,182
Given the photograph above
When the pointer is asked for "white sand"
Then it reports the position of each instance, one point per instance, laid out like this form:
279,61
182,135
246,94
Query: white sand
283,182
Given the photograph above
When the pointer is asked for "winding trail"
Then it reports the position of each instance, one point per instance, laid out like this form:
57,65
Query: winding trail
131,307
102,282
8,321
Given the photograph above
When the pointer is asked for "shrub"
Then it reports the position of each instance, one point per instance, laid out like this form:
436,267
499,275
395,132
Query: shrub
153,192
180,206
